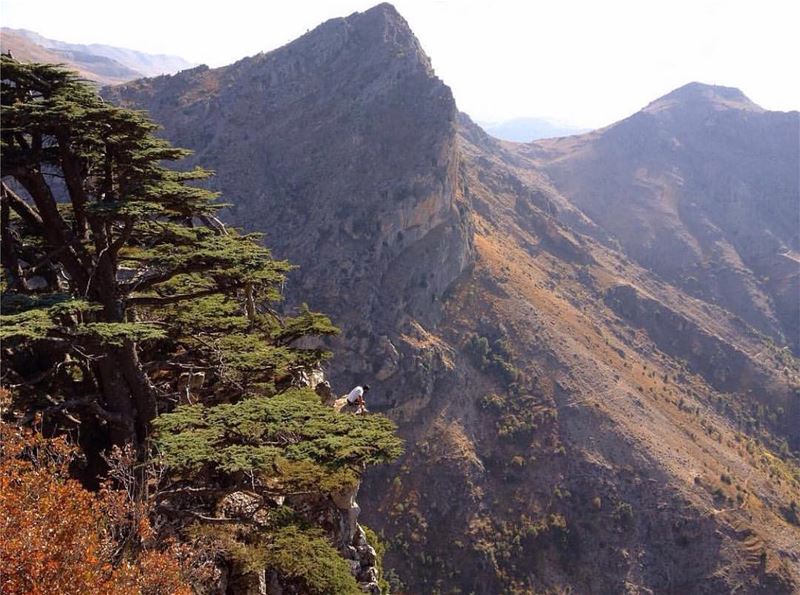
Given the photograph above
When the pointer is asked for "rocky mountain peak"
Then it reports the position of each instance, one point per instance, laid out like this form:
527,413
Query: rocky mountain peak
385,24
701,95
345,141
379,36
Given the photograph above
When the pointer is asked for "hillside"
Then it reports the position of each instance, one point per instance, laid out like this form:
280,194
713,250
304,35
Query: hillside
103,64
701,187
576,417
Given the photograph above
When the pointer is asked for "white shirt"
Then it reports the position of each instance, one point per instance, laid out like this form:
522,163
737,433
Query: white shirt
355,394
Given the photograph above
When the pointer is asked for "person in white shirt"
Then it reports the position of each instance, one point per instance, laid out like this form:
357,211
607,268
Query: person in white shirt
356,397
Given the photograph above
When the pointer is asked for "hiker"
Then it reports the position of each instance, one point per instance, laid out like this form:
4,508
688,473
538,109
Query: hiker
355,398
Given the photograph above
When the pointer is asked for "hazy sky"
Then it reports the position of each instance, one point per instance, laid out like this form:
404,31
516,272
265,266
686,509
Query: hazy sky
584,62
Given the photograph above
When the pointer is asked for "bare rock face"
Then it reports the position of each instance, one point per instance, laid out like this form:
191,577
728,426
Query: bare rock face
352,541
340,147
389,359
341,143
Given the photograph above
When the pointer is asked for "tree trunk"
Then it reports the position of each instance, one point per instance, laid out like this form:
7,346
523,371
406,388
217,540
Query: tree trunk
128,395
117,400
142,390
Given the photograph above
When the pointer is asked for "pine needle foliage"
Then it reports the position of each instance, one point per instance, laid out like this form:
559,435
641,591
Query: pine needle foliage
291,442
305,558
302,557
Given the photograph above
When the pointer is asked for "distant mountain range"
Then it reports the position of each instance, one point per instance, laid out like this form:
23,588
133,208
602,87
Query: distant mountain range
525,130
103,64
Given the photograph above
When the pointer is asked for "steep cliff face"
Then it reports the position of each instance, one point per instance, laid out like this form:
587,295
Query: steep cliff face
340,148
576,418
591,427
340,143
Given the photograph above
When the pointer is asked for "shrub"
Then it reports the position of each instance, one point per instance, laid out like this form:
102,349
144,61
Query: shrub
57,537
623,514
493,358
306,559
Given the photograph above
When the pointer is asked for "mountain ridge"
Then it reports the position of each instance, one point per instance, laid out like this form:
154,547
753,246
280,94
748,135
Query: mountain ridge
575,418
696,92
101,63
698,176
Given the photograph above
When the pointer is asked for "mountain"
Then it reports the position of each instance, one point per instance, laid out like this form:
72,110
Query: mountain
525,130
341,143
103,64
700,187
576,419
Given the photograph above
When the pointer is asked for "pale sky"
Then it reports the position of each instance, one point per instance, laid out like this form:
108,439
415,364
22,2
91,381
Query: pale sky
583,62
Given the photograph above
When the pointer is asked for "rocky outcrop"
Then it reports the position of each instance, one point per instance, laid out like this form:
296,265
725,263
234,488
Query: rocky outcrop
336,514
342,510
352,541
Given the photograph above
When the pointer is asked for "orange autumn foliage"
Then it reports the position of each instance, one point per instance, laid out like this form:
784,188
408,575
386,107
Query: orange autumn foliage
55,535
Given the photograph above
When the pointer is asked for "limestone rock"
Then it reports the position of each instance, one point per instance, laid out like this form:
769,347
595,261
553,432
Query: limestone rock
389,358
414,229
243,505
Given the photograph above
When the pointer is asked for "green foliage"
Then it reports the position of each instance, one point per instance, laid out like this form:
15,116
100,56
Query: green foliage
305,558
39,317
479,347
291,439
493,402
215,313
130,255
623,514
116,333
55,322
33,324
249,353
305,323
133,297
301,555
494,358
517,416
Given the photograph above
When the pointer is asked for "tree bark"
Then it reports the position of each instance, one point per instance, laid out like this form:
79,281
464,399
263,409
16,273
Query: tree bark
128,393
9,252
